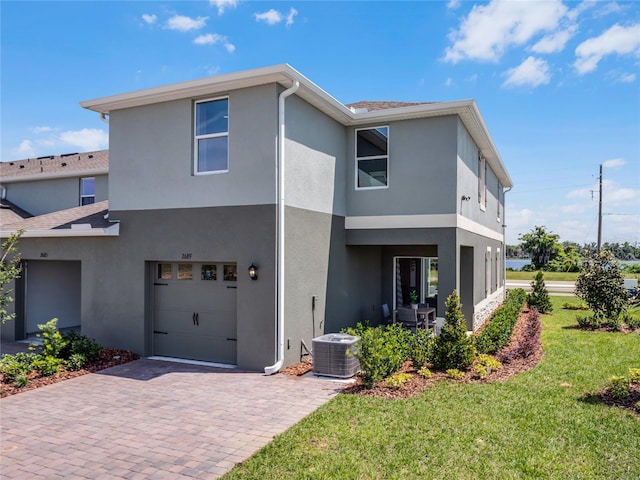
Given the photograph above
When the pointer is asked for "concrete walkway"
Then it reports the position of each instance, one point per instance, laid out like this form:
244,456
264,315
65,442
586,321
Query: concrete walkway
150,419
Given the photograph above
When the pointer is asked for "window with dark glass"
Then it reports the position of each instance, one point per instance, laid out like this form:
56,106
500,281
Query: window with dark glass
209,272
230,273
87,190
372,157
211,148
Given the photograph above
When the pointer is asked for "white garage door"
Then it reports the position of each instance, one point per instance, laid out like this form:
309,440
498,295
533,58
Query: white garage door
195,311
52,291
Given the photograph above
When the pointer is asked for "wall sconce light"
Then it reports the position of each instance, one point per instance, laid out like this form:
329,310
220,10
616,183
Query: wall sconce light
253,272
465,198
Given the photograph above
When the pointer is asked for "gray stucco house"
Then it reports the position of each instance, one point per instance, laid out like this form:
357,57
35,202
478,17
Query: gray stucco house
341,209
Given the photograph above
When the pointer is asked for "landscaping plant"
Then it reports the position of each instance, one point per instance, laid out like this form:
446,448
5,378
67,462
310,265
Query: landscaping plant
539,297
498,330
453,349
9,270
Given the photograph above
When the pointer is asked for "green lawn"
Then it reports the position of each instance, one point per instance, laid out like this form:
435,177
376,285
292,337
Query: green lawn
552,276
540,424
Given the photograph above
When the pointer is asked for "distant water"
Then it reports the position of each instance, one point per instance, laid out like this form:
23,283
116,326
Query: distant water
516,263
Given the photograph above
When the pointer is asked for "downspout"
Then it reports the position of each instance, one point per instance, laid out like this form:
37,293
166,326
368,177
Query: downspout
270,370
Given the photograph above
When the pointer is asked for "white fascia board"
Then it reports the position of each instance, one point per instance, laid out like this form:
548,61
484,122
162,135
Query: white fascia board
446,220
47,176
112,231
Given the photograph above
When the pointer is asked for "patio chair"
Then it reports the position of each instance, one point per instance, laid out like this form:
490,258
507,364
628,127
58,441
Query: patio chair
410,319
388,316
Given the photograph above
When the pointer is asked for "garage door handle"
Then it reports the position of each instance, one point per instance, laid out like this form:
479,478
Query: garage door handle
197,319
228,286
161,284
232,339
162,333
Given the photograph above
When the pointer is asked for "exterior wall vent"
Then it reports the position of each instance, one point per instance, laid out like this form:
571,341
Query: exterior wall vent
333,355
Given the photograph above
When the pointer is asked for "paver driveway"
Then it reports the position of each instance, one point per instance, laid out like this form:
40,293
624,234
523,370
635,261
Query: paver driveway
150,419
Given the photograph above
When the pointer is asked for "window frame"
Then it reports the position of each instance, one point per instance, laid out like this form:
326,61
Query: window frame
372,157
197,137
83,195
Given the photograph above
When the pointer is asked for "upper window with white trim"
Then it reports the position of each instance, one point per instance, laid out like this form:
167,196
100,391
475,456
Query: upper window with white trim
372,157
211,139
87,190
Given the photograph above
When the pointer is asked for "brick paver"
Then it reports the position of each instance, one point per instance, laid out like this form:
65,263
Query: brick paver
150,419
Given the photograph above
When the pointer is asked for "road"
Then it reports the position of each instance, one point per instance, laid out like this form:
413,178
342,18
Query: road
554,288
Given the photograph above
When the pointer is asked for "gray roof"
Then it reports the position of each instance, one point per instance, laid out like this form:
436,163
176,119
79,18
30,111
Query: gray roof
92,215
372,105
66,164
11,213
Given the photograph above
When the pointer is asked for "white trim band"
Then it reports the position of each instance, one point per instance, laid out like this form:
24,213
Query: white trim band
448,220
75,231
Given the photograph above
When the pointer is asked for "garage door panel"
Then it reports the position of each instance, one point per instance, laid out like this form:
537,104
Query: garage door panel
195,318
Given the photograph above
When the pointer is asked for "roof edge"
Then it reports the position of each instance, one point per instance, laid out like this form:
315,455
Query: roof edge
51,175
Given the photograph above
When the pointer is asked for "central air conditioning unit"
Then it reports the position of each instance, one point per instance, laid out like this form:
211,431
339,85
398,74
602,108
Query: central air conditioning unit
334,355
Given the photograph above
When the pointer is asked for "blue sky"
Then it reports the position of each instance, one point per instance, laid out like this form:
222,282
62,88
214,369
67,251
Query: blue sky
557,82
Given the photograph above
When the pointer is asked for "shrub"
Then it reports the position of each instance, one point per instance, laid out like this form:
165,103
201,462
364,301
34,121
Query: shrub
421,347
539,297
396,381
381,351
12,366
634,375
47,365
633,322
424,372
453,349
81,345
52,341
589,322
574,306
497,332
488,361
21,381
76,361
480,371
600,284
529,342
619,387
455,374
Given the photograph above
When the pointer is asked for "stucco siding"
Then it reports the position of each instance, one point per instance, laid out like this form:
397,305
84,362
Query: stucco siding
151,155
421,172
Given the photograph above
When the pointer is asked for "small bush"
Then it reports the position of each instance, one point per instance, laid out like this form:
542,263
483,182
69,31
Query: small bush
455,374
634,375
619,387
633,322
480,371
601,285
488,361
589,322
82,345
539,297
396,381
574,306
47,365
12,366
21,381
497,332
76,362
381,351
424,372
453,349
52,341
528,344
421,347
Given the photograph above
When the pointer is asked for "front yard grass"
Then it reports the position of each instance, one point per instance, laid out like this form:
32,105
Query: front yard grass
545,423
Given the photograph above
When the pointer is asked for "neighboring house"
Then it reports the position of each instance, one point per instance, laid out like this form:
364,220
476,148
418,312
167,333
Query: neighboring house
341,208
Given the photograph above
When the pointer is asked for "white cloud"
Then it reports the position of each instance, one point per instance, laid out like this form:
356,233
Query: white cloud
292,13
222,5
615,195
453,4
25,149
611,7
617,39
270,17
448,82
41,129
554,42
613,163
87,139
488,30
149,19
627,78
532,72
214,39
184,24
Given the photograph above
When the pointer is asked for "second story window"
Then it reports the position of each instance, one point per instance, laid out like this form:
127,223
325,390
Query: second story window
211,139
372,157
87,190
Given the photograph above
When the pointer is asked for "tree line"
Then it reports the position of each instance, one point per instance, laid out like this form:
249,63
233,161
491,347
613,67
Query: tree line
547,252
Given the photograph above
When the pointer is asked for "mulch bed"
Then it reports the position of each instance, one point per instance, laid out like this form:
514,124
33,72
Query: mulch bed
109,358
629,403
418,384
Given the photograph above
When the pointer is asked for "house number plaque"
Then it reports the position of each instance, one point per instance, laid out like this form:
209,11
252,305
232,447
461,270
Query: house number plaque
44,254
186,256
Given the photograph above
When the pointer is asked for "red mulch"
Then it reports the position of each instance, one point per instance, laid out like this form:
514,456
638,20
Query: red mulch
109,358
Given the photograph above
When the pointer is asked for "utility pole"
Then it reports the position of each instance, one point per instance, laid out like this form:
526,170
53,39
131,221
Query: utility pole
600,212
